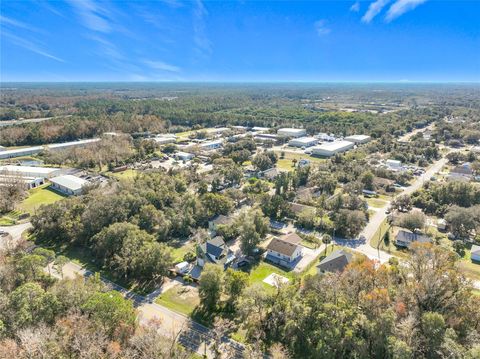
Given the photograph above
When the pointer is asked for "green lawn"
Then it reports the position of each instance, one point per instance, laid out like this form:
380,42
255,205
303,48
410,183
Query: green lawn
182,299
179,251
286,162
37,197
10,218
262,270
379,234
375,202
128,174
312,269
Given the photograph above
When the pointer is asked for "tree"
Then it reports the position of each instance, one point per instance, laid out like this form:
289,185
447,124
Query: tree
326,239
349,223
413,221
12,191
433,330
235,282
253,227
215,203
210,285
461,221
367,180
402,203
265,160
111,312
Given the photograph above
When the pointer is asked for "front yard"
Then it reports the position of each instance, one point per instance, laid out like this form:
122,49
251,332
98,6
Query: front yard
182,298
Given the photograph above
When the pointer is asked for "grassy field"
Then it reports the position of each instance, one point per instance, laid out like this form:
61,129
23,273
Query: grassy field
37,197
375,202
182,299
287,164
127,174
262,270
10,218
379,234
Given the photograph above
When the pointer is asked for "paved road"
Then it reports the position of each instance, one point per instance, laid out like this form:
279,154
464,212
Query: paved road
379,216
15,232
190,334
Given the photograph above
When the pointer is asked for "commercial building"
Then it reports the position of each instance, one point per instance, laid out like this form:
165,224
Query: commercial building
325,137
29,182
394,164
292,132
66,145
164,139
68,184
19,152
332,148
211,145
184,156
303,142
260,129
28,171
358,138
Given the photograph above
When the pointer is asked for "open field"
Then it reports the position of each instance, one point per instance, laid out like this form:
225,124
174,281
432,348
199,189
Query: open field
37,197
286,163
127,174
182,299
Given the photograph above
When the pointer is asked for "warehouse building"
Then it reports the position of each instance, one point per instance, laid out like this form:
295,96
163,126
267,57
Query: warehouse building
68,184
165,139
29,182
28,171
183,156
332,148
211,145
303,142
66,145
358,139
19,152
292,132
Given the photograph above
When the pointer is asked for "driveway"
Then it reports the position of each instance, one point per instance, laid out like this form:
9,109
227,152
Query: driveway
15,233
309,255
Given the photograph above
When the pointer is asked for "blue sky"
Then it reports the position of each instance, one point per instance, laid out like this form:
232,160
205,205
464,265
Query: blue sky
380,40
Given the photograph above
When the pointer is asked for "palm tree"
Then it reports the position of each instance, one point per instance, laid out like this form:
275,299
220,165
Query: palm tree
326,239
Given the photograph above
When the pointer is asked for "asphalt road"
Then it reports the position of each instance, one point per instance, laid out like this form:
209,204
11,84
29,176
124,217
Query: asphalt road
15,232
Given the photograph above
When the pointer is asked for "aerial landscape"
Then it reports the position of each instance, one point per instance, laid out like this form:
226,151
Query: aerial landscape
251,179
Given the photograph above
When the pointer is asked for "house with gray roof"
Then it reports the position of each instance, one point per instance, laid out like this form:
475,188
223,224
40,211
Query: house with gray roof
335,262
215,251
405,238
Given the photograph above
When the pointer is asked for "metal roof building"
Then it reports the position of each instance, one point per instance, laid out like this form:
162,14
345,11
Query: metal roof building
28,171
80,143
68,184
303,142
332,148
292,132
19,152
358,138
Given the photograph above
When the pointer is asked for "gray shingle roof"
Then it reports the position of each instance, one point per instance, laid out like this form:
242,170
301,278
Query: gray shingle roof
335,262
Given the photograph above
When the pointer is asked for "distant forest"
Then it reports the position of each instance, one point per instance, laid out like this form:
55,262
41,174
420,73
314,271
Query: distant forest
134,107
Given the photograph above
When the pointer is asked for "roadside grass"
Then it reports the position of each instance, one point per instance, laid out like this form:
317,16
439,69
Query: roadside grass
379,235
10,218
182,299
376,202
37,197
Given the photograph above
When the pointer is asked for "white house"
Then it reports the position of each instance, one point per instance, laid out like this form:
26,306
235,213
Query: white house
292,132
303,142
283,252
68,184
475,253
19,152
332,148
358,138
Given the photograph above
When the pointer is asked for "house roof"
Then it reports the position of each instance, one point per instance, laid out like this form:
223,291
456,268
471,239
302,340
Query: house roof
291,238
335,262
409,237
475,249
215,246
463,170
282,247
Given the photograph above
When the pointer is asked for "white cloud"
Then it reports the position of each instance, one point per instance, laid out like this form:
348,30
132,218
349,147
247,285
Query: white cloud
28,45
321,27
400,7
374,9
355,7
200,38
160,65
92,15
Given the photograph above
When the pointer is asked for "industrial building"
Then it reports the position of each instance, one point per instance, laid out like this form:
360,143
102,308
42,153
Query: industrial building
394,164
184,156
66,145
19,152
28,171
68,184
266,137
358,139
332,148
303,142
29,182
165,139
211,145
292,132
